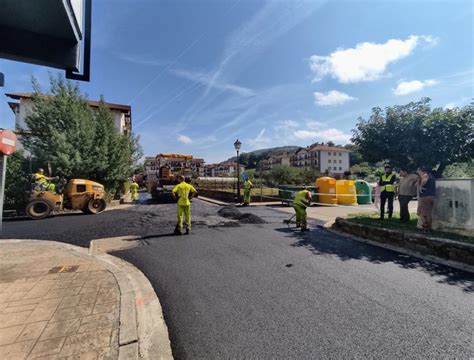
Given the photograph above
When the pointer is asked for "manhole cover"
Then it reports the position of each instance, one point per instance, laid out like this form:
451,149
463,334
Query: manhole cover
63,269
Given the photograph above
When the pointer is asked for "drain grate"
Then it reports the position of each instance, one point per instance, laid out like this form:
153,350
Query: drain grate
63,269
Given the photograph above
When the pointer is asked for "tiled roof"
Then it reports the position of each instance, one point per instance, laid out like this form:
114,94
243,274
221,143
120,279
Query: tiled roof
94,103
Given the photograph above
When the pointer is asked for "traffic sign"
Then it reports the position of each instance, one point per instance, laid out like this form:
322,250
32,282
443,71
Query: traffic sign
7,142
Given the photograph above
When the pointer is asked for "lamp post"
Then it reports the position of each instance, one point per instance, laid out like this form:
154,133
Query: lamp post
237,145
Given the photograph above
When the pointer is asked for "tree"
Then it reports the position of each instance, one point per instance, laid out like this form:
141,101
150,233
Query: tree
414,135
16,182
77,141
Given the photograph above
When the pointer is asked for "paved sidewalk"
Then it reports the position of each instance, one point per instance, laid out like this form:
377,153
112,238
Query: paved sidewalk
56,303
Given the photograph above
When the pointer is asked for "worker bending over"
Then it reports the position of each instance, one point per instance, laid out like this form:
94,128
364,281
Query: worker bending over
183,192
247,192
300,203
43,182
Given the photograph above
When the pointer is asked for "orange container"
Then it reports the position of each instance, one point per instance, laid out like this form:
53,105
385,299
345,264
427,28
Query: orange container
326,187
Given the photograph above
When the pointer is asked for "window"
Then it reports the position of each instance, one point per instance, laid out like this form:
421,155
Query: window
340,168
340,154
340,161
329,153
329,161
81,188
335,168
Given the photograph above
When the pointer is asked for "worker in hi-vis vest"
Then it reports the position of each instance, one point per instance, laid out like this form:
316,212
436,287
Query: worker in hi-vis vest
300,203
183,192
247,192
134,190
387,191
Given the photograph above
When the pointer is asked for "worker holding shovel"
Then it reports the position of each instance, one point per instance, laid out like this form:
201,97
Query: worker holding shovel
300,203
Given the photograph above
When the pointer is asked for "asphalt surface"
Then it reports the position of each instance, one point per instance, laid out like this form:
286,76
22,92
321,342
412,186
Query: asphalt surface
267,291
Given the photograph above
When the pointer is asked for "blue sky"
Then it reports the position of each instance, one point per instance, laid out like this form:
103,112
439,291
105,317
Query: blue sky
200,74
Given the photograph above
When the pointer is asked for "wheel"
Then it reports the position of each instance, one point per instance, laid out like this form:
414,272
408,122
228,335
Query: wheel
38,209
96,206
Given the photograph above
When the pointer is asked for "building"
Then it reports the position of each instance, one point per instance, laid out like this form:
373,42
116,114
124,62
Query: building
177,166
225,169
23,105
284,158
329,159
302,158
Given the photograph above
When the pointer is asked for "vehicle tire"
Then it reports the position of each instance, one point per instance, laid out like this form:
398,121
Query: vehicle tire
96,206
38,209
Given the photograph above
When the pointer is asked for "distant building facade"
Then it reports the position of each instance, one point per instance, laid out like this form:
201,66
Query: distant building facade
23,105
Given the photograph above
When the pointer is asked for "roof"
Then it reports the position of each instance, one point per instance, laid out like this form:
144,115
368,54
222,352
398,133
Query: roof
94,103
328,148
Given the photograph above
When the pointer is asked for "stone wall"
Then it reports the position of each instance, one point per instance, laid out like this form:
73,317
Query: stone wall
442,248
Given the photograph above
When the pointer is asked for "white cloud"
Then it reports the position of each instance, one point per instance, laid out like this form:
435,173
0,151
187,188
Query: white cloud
332,98
314,124
285,125
210,81
184,139
408,87
260,141
326,135
366,61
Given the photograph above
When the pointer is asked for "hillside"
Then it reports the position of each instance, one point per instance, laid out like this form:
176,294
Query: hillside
267,152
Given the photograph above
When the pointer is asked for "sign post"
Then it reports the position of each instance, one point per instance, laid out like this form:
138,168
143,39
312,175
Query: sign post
7,147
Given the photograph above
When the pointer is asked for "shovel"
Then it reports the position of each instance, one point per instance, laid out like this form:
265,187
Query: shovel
288,222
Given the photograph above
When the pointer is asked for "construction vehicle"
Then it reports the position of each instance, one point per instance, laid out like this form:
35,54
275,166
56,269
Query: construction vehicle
77,194
162,177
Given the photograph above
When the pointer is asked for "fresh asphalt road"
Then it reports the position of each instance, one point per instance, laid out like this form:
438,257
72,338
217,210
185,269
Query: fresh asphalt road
266,291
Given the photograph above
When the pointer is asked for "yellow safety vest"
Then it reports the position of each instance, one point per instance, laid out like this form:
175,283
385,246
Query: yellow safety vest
248,185
134,187
301,198
182,190
40,178
390,187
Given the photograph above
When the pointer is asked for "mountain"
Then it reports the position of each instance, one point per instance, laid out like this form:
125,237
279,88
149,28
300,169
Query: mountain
263,153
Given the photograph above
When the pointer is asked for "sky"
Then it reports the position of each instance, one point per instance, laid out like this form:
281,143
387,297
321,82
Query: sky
200,74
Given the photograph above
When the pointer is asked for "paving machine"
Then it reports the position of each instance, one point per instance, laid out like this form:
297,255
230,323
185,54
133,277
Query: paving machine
77,194
162,179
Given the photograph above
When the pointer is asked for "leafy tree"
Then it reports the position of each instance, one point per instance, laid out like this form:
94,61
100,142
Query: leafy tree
16,182
414,135
77,141
460,170
355,156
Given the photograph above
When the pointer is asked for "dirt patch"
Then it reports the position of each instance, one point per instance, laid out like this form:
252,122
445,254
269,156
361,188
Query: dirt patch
231,212
247,218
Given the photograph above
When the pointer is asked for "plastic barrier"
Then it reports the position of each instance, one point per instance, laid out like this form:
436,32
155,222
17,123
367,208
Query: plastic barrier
347,190
364,192
287,193
327,185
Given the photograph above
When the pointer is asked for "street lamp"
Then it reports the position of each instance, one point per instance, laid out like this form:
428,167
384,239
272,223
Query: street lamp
237,145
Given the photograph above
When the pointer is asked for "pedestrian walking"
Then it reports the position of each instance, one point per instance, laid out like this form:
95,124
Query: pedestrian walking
134,190
183,193
300,203
407,188
247,192
426,198
387,191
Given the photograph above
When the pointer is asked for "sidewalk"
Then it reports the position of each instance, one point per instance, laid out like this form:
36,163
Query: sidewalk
57,301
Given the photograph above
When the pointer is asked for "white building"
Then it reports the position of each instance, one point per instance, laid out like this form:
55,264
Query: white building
228,169
23,106
333,160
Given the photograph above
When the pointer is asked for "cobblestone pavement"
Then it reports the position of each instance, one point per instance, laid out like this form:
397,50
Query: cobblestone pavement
56,303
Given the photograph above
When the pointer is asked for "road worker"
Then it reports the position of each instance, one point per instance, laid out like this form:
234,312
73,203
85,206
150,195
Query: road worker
247,192
387,191
43,182
134,190
183,193
300,203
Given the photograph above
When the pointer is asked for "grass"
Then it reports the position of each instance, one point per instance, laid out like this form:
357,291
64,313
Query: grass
372,219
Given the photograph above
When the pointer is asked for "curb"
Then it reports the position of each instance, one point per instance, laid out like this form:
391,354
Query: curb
446,252
143,332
